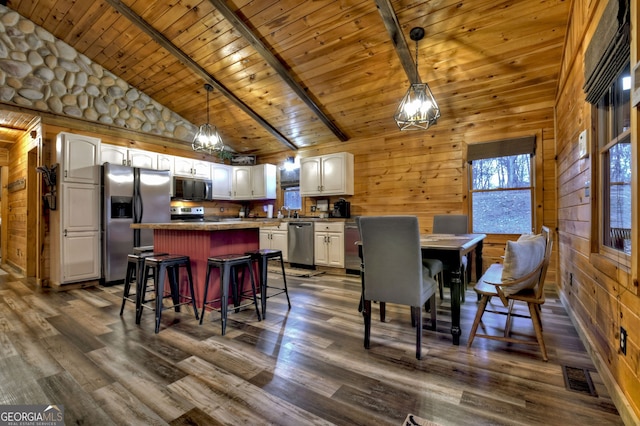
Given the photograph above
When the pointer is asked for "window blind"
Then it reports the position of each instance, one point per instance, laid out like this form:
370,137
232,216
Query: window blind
501,148
608,51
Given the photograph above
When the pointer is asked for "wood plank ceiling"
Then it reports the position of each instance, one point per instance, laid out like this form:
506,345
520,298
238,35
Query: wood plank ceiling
299,73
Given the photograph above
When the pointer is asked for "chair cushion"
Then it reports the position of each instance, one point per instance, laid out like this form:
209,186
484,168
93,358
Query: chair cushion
434,266
520,258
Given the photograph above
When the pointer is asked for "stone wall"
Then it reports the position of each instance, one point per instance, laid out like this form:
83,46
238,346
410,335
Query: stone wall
40,72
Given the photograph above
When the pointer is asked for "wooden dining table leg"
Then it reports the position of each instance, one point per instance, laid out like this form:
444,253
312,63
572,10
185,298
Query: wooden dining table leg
456,284
478,263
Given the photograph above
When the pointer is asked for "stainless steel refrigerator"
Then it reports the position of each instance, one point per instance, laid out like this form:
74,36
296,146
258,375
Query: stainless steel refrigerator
130,195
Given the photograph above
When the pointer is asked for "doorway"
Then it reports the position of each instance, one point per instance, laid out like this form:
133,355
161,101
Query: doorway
33,212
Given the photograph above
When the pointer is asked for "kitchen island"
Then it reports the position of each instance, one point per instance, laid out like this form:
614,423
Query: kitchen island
201,240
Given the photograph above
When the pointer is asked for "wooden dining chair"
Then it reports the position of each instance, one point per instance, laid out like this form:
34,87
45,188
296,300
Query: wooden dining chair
393,270
519,279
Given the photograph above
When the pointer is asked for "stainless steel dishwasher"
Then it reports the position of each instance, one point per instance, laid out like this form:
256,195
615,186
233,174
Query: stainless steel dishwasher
300,236
351,254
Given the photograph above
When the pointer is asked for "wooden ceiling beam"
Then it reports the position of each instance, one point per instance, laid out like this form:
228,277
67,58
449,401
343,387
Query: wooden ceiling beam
277,65
390,21
195,67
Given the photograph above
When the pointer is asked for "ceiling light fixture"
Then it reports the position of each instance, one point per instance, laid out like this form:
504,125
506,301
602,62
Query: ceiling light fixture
207,139
418,109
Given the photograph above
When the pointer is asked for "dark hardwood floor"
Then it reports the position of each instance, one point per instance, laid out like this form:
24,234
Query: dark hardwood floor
297,367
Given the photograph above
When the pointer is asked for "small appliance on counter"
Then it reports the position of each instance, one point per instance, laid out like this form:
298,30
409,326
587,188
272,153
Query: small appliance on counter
341,209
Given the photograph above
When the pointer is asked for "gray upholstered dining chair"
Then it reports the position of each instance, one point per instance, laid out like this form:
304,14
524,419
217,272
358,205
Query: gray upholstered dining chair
393,270
452,224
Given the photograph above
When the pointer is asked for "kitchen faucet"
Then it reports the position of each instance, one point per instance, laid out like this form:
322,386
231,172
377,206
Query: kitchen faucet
288,211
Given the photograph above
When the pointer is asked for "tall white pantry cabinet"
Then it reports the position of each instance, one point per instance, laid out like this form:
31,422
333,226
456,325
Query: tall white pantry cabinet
75,224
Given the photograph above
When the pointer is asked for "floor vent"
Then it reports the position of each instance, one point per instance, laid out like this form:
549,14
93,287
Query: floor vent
578,380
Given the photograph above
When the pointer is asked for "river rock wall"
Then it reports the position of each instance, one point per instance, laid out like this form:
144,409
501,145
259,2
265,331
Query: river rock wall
41,72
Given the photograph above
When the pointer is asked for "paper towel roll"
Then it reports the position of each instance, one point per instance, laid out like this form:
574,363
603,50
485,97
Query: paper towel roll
270,211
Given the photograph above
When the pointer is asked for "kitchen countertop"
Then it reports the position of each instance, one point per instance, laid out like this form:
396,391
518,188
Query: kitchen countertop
229,223
275,220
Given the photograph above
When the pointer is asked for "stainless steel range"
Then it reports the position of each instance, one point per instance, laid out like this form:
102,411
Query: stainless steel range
187,214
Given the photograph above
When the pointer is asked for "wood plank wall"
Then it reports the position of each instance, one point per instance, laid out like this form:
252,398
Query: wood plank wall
15,202
422,173
425,173
597,292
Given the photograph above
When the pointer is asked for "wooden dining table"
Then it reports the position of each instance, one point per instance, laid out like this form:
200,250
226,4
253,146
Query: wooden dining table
450,249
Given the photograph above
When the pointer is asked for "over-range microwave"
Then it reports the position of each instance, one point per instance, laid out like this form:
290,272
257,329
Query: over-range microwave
192,189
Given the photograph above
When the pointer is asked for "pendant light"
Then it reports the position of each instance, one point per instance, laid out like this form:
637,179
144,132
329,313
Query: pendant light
418,109
207,139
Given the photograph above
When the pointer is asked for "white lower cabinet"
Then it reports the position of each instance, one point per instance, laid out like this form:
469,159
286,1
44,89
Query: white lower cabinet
329,244
76,231
80,256
276,238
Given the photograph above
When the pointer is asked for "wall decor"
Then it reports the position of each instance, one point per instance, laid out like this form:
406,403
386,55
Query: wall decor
243,160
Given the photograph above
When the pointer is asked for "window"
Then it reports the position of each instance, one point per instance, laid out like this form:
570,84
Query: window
501,186
290,184
613,135
292,198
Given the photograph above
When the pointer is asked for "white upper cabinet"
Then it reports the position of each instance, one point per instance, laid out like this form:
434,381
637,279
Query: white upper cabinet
242,186
221,181
128,157
263,181
143,159
191,168
330,174
113,154
201,169
254,182
78,155
165,162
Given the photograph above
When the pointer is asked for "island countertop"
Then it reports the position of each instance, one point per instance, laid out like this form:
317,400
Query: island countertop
208,226
225,224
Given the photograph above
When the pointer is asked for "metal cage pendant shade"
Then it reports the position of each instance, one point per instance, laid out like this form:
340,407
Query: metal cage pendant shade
418,109
207,139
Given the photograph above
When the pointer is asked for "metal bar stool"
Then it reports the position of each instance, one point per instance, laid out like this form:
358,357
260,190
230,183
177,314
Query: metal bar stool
135,269
142,249
228,265
167,265
263,256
